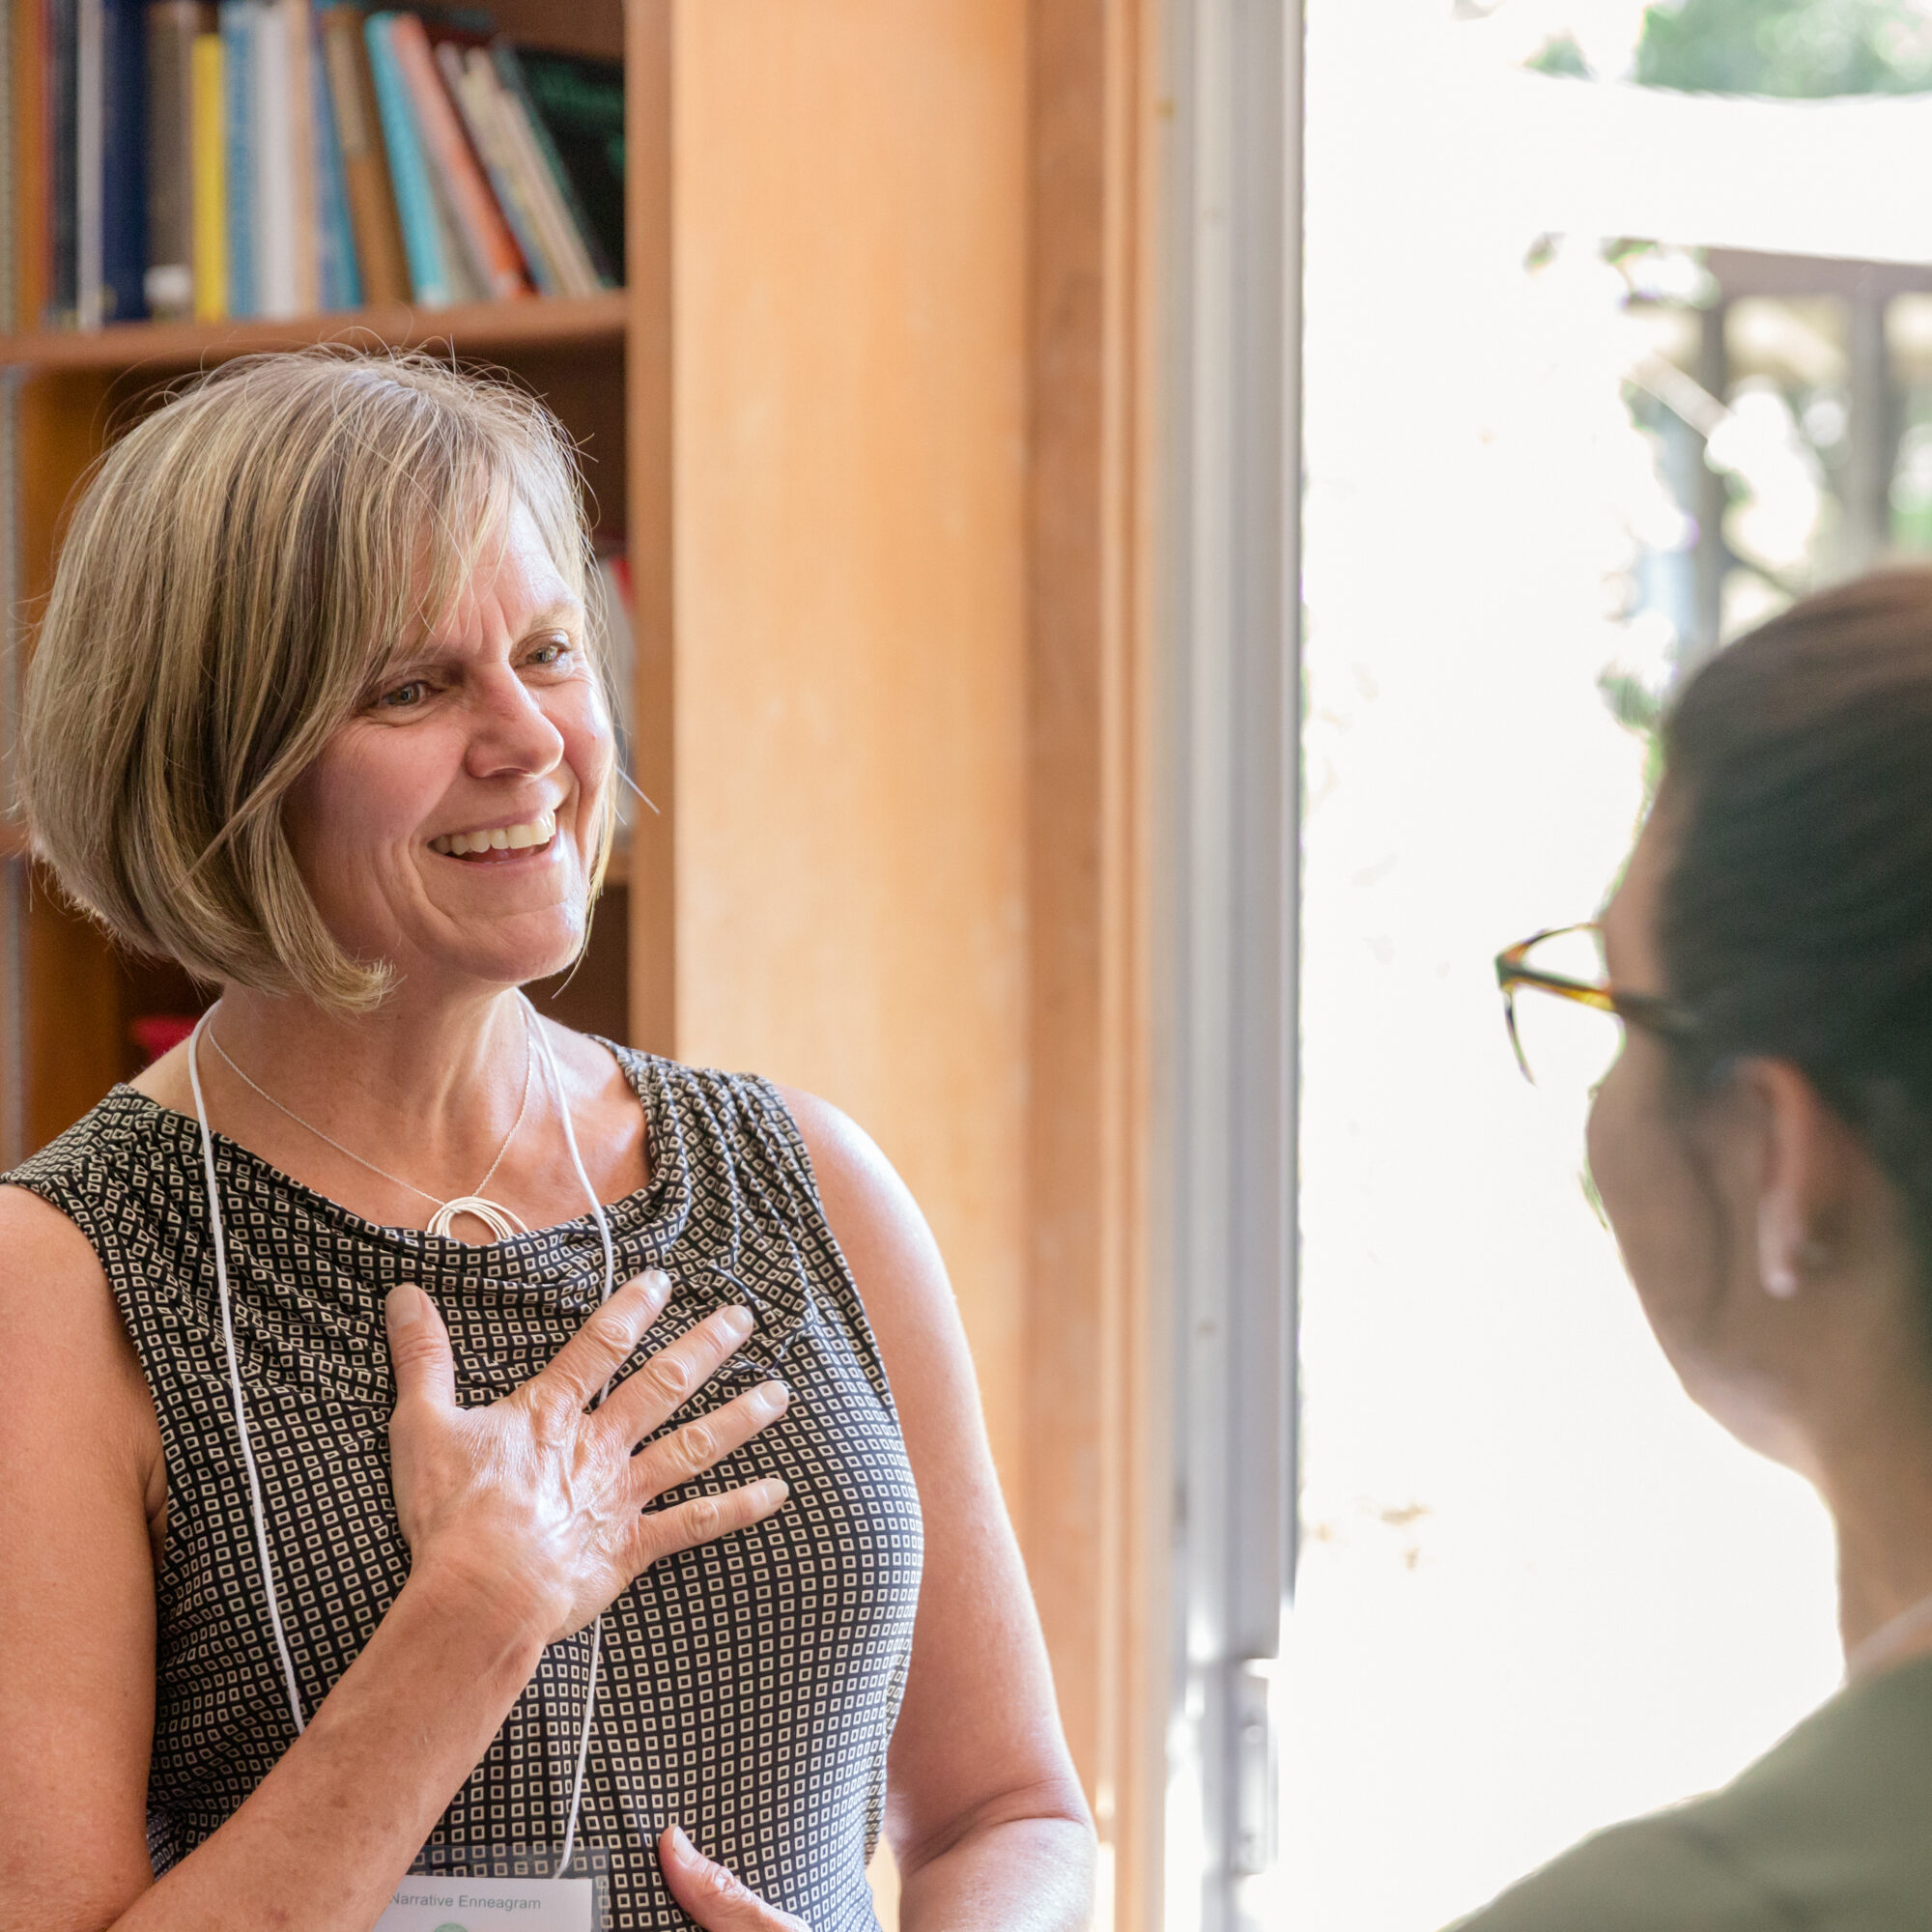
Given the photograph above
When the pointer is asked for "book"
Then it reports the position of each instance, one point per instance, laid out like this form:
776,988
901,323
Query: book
569,251
338,286
513,73
239,21
380,264
271,142
490,249
430,280
62,28
469,88
464,272
169,282
208,125
556,234
579,99
89,107
300,99
124,161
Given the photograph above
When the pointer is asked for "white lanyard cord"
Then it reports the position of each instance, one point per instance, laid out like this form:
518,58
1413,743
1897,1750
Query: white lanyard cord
234,1374
260,1514
610,1283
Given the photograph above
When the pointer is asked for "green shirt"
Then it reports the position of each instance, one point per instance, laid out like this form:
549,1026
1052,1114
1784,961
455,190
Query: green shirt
1832,1829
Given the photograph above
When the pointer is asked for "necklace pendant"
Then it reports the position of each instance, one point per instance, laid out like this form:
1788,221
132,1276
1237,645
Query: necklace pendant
501,1222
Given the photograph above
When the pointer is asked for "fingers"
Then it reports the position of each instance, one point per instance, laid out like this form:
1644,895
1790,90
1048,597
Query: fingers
606,1341
648,1398
675,1459
702,1519
711,1895
419,1348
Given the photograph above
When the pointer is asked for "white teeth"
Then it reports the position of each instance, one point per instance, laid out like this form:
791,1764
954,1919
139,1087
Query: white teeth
522,838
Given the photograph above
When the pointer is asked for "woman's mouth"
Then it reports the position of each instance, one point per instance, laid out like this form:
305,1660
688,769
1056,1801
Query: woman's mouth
493,842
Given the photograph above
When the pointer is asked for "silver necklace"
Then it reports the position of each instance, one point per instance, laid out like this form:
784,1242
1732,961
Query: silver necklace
498,1219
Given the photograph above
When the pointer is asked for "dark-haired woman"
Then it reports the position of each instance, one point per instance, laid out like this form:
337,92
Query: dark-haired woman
1763,1146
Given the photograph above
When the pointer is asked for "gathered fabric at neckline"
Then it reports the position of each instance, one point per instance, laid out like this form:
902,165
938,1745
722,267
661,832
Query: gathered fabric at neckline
634,1211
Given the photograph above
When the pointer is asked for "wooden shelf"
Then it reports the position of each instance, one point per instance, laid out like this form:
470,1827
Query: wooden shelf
472,328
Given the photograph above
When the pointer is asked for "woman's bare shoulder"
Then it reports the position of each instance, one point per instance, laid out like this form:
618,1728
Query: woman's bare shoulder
869,1208
63,1348
41,1250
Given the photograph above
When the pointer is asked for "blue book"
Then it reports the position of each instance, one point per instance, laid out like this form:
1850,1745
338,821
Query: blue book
338,282
238,151
124,161
409,171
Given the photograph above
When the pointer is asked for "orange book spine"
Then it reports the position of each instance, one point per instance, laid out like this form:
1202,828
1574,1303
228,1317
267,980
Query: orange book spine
492,245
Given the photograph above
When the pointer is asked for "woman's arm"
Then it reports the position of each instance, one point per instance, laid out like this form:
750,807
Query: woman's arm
524,1520
983,1810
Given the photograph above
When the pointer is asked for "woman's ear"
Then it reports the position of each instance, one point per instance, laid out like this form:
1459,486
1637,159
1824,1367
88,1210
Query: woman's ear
1801,1178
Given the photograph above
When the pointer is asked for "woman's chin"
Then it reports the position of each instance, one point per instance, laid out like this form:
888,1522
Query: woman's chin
501,958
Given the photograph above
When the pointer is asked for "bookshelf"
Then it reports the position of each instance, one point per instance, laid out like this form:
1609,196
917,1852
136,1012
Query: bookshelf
68,998
494,328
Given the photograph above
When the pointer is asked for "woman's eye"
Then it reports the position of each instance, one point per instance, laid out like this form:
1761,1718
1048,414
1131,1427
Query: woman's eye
405,696
551,651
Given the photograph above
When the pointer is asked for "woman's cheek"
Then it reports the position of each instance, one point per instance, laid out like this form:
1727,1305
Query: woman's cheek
1659,1211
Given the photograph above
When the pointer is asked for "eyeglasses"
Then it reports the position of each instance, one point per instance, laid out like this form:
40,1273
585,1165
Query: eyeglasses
1572,1038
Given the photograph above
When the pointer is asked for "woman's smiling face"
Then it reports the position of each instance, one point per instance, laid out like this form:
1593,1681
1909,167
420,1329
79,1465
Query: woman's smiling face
449,825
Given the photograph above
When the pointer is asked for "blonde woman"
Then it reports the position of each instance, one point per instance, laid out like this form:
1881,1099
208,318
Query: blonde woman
325,1561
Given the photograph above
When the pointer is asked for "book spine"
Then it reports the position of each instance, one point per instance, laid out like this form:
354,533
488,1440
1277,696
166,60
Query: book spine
90,112
238,152
579,101
62,30
208,123
338,286
566,243
470,86
510,71
274,209
305,238
169,282
123,164
491,250
415,206
380,264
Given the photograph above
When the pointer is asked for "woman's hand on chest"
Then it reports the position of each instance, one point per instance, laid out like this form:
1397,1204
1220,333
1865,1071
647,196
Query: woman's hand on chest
537,1504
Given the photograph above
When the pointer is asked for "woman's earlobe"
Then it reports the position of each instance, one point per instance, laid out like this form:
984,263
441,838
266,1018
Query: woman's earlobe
1784,1256
1776,1251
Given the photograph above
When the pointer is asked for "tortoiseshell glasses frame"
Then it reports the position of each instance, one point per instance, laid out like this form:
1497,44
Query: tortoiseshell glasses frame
1645,1009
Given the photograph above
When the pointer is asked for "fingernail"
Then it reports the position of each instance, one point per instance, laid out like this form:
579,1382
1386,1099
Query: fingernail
774,1397
776,1491
684,1847
657,1285
737,1323
404,1308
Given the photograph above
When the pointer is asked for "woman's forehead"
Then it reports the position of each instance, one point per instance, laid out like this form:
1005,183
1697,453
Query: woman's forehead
513,572
1629,916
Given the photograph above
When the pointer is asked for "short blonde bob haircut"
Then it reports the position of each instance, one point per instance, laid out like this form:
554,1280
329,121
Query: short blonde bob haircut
237,572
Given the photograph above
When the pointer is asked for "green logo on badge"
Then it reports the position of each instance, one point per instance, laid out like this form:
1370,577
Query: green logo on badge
452,1926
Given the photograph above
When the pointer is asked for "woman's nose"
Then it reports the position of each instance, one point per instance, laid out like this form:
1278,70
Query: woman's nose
512,732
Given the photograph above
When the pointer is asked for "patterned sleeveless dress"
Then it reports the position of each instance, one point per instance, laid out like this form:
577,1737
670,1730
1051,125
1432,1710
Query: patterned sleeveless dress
748,1688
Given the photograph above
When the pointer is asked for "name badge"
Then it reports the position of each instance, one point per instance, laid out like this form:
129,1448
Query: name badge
439,1904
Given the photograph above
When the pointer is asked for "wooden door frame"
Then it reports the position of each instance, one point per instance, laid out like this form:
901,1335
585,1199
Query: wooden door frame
1097,1428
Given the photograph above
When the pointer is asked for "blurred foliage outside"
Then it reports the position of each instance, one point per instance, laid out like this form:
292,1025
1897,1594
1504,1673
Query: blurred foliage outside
1802,49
